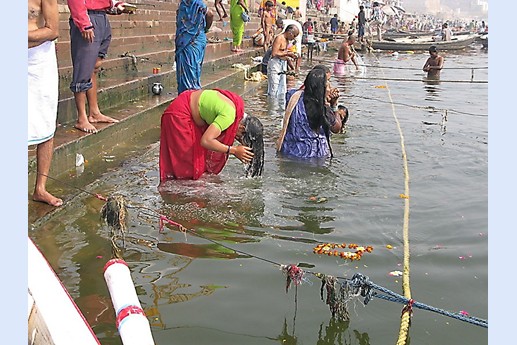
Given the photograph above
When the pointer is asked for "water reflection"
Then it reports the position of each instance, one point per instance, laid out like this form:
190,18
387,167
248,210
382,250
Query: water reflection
431,86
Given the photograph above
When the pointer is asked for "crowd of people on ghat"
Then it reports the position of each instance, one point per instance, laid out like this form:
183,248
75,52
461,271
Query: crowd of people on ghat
201,128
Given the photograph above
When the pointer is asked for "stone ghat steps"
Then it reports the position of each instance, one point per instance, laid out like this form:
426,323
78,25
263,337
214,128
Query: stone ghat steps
120,88
122,62
140,44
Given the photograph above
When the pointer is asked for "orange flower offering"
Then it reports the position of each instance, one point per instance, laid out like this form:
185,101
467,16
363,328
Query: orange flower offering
330,250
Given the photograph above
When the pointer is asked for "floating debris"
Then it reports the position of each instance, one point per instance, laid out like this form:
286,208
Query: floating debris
79,159
395,273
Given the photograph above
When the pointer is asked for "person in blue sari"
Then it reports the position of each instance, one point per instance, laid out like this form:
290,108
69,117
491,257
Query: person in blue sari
311,114
193,20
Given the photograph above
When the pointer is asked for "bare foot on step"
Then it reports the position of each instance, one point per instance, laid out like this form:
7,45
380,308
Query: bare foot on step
99,117
47,198
85,127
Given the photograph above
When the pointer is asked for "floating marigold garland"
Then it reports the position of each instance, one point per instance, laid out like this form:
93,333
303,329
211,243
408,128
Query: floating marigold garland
330,250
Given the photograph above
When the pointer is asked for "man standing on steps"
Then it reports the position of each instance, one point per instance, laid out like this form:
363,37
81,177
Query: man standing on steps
361,23
43,79
90,37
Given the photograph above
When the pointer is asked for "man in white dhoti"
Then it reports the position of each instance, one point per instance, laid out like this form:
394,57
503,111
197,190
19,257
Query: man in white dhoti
277,65
42,90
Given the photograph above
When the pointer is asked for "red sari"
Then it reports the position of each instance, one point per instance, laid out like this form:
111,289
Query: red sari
181,153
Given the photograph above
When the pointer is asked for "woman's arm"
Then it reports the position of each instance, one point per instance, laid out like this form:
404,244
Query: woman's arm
334,117
209,141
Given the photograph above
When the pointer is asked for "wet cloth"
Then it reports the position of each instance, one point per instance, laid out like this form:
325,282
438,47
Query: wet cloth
339,67
300,140
190,43
236,22
276,83
42,92
181,153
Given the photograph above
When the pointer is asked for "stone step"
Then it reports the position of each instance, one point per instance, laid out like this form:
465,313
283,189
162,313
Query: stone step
117,88
142,5
137,45
122,61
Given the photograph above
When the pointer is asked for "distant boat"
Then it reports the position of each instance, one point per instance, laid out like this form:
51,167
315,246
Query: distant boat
423,43
393,33
484,40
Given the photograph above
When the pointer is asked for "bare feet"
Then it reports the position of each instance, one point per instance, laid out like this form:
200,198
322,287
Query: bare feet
85,127
47,198
94,118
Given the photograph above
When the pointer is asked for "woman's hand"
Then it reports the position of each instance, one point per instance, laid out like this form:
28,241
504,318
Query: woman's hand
333,96
243,153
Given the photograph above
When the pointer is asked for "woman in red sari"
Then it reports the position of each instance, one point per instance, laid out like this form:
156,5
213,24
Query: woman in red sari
197,134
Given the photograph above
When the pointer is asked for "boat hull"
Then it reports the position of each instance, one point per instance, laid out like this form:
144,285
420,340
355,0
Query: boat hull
424,44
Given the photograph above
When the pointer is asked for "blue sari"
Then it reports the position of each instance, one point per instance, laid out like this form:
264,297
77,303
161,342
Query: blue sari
300,140
190,44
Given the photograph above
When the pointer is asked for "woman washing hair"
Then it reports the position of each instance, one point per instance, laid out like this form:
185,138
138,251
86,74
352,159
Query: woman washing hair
197,134
309,120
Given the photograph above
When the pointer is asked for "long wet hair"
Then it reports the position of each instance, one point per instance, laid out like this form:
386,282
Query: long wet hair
315,91
253,137
315,88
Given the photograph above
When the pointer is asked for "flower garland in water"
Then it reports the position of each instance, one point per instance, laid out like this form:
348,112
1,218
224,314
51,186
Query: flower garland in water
330,250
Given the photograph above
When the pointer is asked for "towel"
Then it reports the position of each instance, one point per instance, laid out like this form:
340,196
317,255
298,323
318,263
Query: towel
42,92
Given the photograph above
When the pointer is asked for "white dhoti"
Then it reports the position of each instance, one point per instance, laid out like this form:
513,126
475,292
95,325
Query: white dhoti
276,83
42,92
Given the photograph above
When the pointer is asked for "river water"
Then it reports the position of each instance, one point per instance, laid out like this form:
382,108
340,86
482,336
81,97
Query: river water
196,290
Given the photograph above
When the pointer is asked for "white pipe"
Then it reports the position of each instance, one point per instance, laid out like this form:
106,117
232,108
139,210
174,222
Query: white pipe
132,324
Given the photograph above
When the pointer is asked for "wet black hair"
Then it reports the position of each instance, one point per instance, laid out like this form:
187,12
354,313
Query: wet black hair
432,49
323,67
315,90
253,137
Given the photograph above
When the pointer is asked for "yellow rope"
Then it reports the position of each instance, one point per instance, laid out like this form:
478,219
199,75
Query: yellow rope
406,314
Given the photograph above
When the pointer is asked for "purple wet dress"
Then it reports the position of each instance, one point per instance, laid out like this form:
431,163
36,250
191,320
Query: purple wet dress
300,140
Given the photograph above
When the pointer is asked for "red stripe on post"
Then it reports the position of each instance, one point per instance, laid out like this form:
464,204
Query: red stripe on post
129,310
113,261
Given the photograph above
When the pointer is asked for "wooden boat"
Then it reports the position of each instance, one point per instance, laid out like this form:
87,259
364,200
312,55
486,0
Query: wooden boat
403,33
484,40
410,44
53,316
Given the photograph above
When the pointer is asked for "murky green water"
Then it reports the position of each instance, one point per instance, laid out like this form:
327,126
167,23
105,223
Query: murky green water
196,291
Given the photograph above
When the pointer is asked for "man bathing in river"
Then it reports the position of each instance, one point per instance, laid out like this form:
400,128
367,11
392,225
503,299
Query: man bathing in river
434,64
